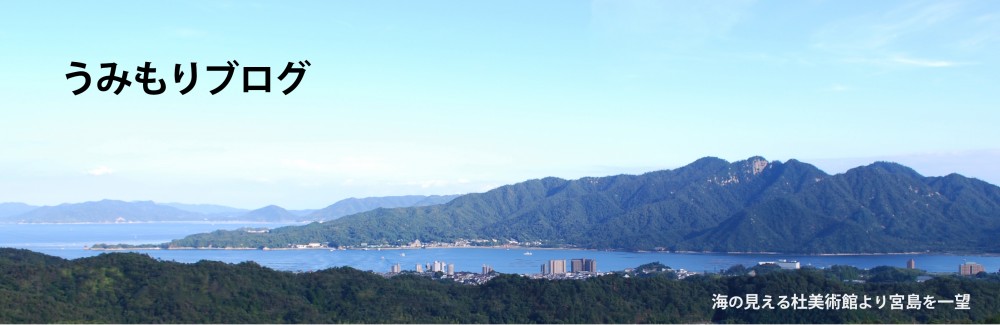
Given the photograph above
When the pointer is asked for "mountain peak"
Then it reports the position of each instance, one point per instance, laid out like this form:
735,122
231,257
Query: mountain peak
753,165
708,163
355,205
271,207
887,167
750,205
270,213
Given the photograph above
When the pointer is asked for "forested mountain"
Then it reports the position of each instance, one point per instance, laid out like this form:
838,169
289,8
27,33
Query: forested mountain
709,205
134,288
353,205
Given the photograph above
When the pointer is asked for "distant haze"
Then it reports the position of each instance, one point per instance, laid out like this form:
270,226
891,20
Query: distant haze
115,211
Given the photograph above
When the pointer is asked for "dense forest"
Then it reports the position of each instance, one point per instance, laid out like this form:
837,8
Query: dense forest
710,205
134,288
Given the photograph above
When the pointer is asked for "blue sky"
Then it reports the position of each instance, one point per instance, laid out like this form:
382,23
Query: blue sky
441,97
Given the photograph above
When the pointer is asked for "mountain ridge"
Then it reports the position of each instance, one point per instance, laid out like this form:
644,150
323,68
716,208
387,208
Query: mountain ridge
352,205
751,205
106,211
12,209
109,211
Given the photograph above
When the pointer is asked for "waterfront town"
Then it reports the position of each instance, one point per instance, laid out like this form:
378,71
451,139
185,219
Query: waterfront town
560,269
459,243
556,269
584,268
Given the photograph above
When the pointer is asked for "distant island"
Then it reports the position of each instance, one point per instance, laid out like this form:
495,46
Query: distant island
710,205
114,211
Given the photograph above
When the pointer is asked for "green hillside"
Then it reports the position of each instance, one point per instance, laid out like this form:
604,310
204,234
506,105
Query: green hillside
710,205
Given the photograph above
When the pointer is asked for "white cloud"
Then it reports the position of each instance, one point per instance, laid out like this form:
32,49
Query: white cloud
882,31
921,28
101,171
924,63
675,23
906,61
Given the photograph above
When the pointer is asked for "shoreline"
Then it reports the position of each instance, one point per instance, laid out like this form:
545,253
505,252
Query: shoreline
543,249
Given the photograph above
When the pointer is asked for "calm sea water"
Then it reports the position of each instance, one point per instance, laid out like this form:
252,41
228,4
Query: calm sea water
67,241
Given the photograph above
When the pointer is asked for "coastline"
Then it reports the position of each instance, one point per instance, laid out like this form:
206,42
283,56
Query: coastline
543,249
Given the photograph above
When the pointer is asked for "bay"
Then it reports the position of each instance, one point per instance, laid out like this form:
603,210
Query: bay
68,241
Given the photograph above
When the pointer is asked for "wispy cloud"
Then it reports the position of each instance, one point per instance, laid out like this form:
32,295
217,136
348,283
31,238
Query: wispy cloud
100,171
885,31
675,23
924,63
907,61
986,32
922,28
837,88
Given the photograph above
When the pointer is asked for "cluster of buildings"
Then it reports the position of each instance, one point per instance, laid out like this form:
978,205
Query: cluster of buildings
681,273
437,266
577,265
499,243
579,268
970,268
783,264
447,271
964,269
475,279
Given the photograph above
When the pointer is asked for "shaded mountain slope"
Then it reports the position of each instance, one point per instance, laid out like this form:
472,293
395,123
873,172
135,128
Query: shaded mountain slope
710,205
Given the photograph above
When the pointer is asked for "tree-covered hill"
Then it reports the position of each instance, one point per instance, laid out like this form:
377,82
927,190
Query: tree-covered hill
710,205
134,288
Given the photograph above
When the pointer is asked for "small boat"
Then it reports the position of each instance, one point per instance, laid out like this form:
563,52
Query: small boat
402,254
527,253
